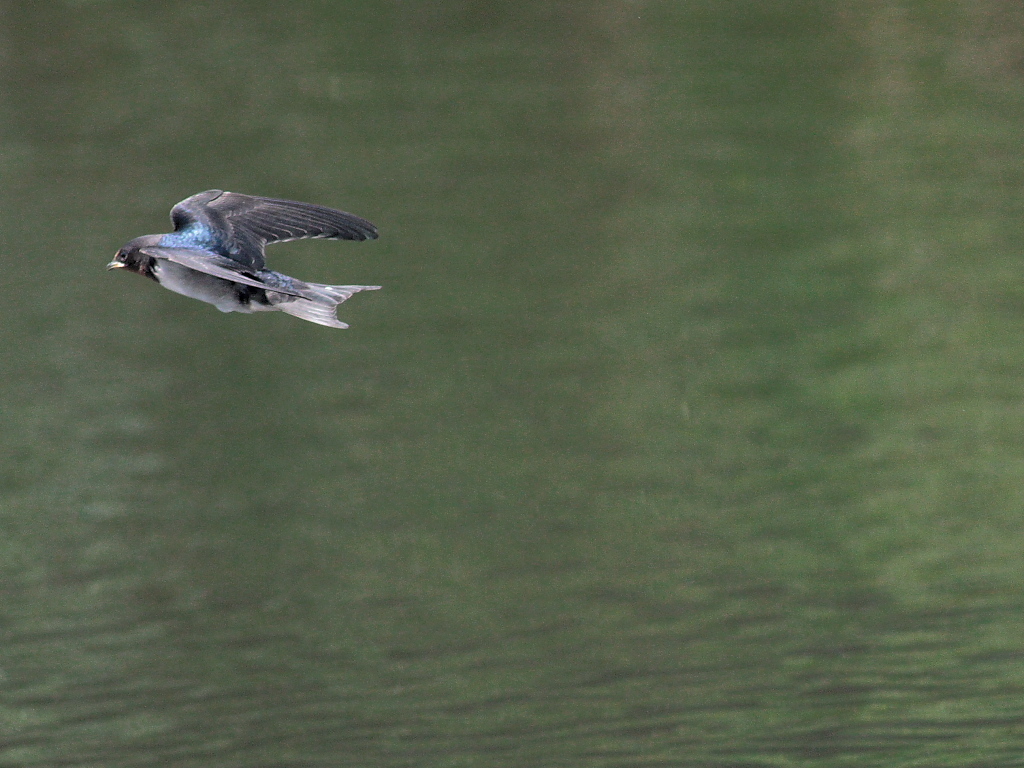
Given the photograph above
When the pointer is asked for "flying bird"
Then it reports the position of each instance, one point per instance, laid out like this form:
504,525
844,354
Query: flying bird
215,254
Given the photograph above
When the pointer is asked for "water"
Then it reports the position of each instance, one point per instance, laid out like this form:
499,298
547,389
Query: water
685,431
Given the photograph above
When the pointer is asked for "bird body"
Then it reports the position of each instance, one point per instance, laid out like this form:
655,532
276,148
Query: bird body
215,254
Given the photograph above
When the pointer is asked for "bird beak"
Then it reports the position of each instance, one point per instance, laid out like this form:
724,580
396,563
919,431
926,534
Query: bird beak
115,265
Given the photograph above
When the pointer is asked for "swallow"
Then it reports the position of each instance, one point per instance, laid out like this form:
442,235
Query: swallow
216,254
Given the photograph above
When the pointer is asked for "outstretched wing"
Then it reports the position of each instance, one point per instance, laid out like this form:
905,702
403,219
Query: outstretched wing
218,266
244,224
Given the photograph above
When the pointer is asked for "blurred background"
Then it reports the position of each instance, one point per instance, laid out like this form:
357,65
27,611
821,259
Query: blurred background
686,430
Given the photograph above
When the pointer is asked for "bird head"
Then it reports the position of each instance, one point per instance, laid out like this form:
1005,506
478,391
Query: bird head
131,257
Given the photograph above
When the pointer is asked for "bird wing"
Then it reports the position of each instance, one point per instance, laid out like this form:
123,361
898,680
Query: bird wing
218,266
247,223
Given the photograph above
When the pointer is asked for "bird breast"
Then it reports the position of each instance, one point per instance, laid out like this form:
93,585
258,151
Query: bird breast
223,294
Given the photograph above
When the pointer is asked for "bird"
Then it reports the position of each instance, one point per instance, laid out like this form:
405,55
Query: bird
216,254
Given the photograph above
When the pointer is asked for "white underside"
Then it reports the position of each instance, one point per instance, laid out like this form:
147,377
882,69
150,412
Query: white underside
197,285
222,294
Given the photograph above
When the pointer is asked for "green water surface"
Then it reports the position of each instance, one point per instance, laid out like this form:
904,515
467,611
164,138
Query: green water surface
686,430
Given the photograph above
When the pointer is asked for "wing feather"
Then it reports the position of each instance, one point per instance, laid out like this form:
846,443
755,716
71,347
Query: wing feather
246,223
278,220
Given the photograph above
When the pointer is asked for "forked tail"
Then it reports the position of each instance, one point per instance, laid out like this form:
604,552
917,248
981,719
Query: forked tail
322,309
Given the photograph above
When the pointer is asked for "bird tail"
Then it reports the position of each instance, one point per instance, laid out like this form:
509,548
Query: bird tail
322,309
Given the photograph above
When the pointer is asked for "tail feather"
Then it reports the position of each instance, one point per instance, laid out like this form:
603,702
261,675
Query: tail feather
322,310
